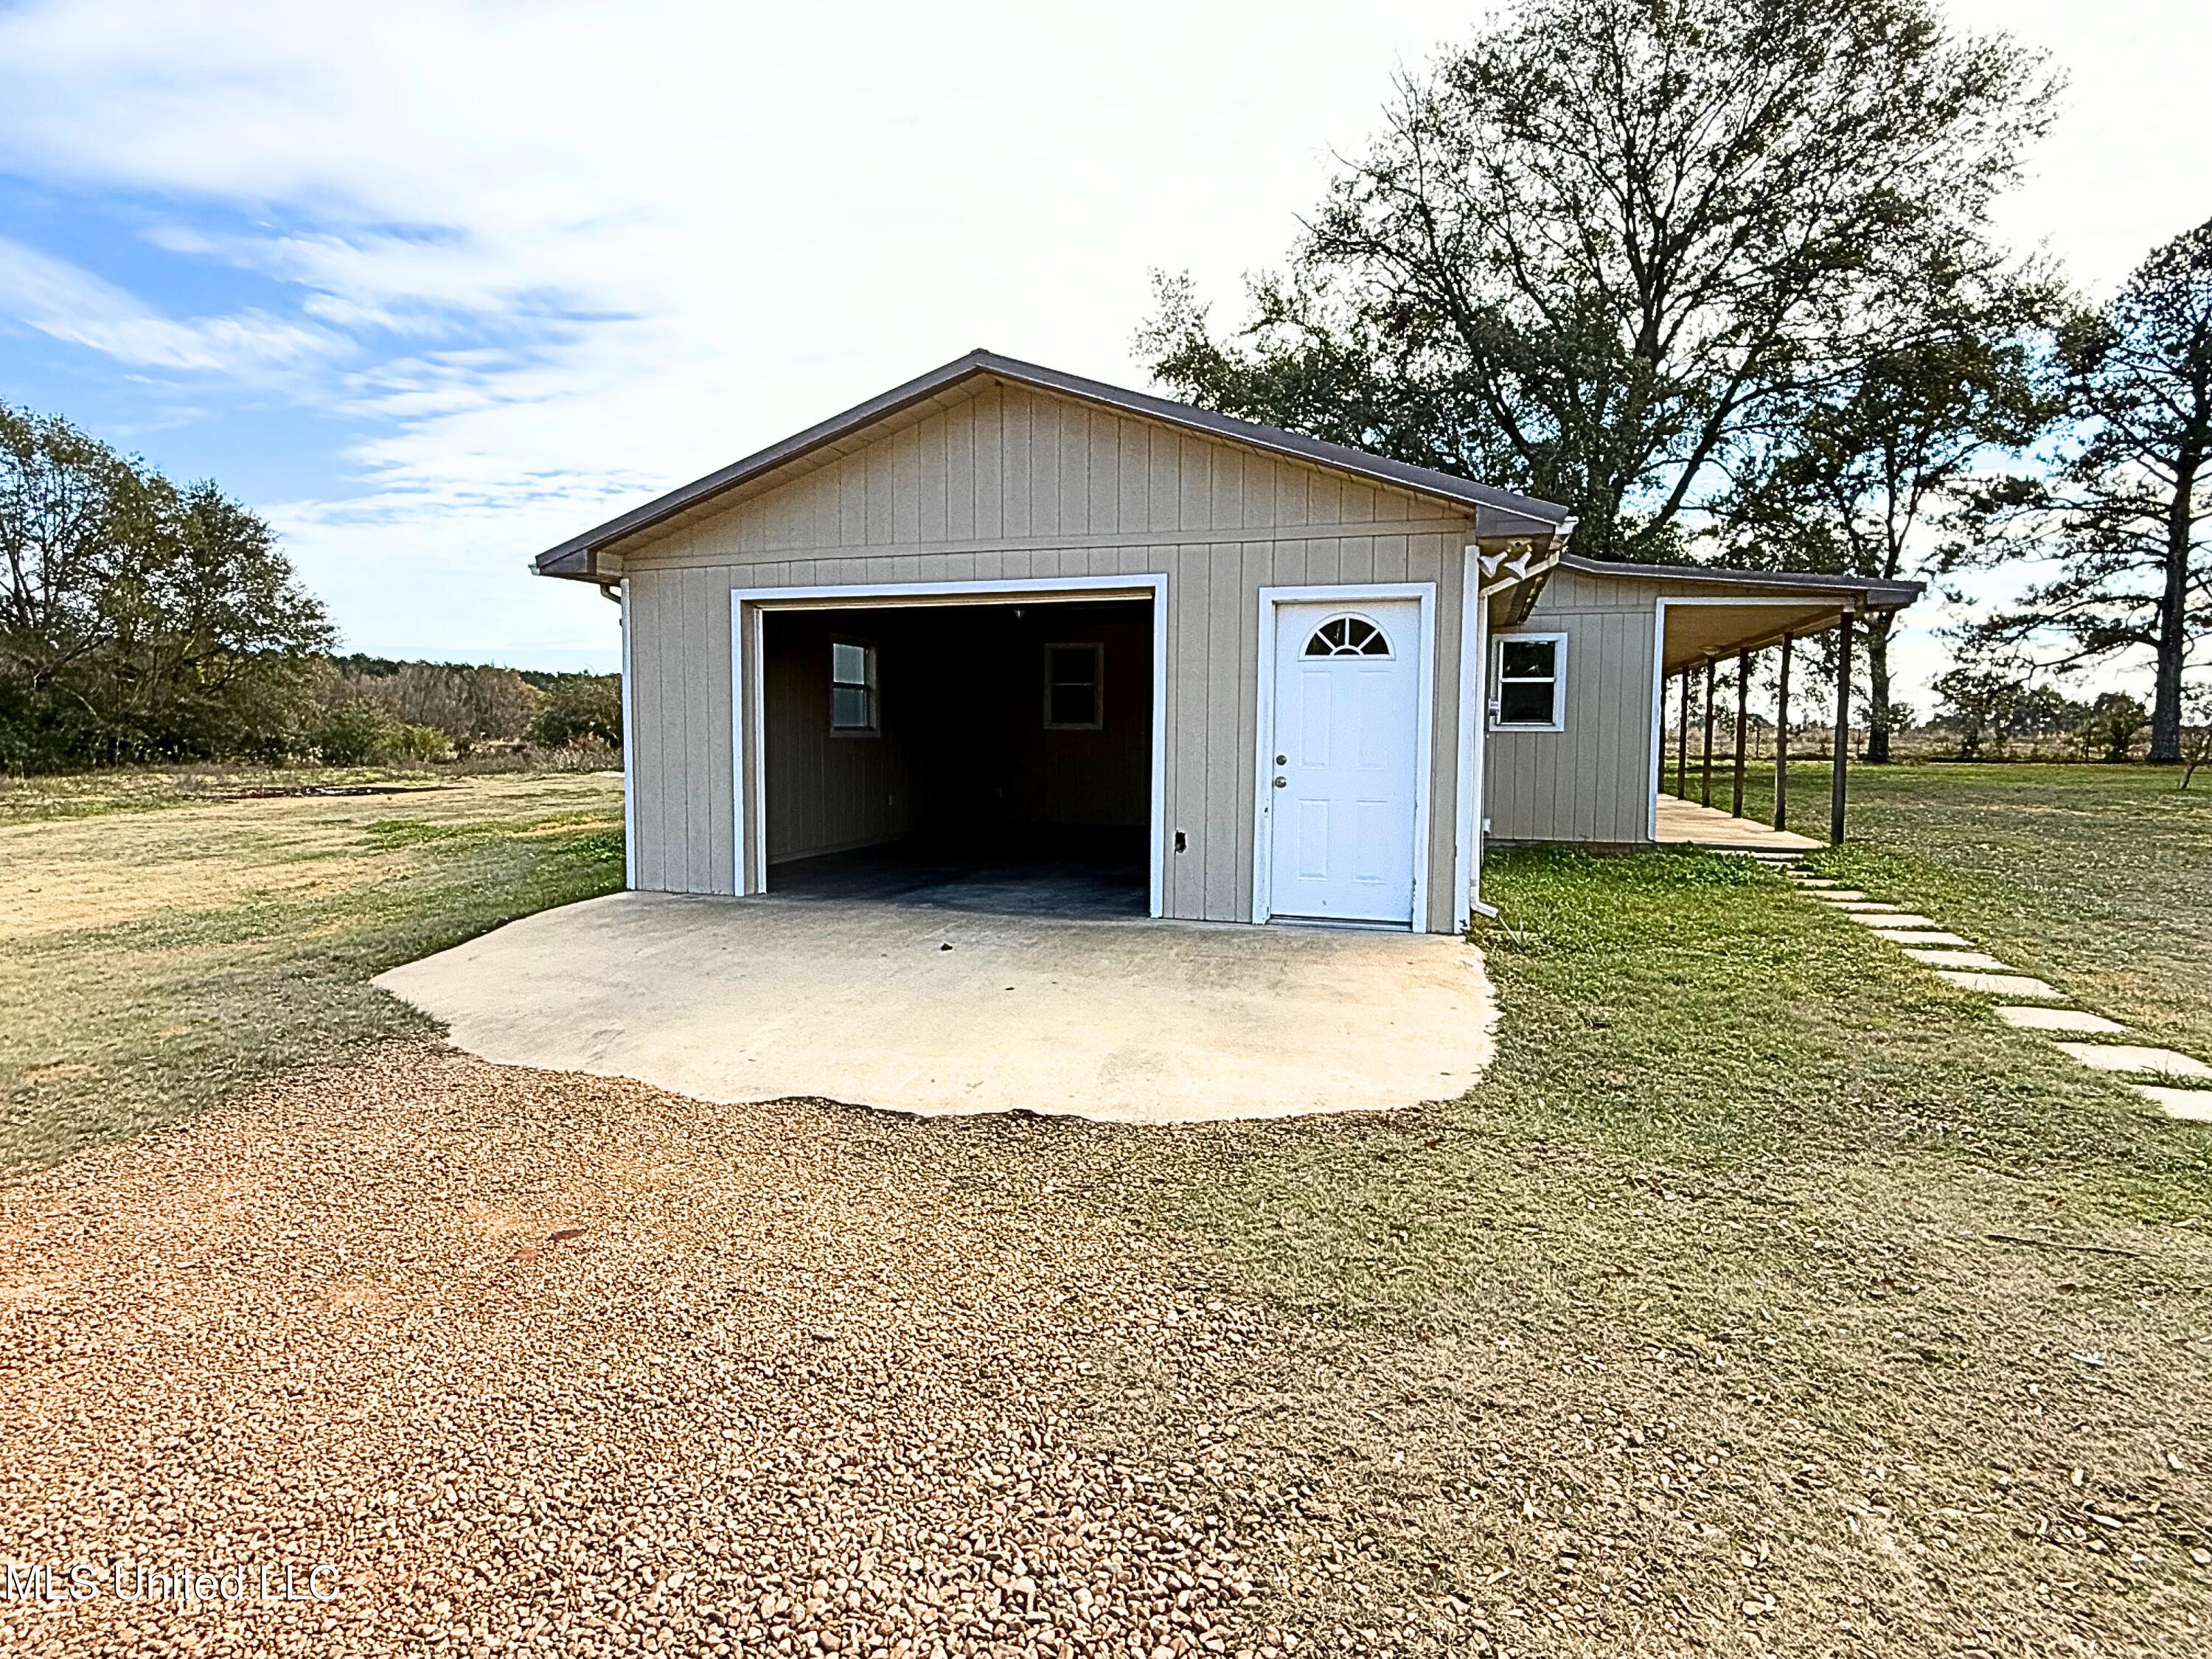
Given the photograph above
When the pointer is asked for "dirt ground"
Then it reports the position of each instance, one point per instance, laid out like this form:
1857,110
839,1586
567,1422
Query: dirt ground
537,1362
541,1361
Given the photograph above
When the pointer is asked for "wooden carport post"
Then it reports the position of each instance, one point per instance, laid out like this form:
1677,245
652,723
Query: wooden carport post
1742,717
1843,743
1705,796
1682,744
1782,741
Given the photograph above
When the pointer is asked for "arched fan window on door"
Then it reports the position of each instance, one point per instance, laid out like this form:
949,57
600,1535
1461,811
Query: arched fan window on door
1347,636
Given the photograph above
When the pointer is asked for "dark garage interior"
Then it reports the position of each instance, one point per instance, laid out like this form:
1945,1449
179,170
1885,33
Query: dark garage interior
979,756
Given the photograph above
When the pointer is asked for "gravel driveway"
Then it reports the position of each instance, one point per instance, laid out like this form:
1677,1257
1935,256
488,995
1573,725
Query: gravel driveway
548,1363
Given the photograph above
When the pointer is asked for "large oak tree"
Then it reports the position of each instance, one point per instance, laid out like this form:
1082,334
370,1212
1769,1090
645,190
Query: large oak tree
1604,252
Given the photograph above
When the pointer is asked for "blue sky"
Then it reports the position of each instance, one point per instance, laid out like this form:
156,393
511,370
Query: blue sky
434,286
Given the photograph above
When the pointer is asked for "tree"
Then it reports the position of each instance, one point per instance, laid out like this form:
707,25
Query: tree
2114,722
581,706
466,703
69,508
1974,704
354,731
1600,252
139,620
1991,706
2196,736
2127,504
1868,461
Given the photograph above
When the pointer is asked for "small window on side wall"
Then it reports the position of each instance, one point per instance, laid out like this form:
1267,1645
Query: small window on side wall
1074,688
853,710
1531,677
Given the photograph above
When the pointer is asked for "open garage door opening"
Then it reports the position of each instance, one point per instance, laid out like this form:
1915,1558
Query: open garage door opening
991,756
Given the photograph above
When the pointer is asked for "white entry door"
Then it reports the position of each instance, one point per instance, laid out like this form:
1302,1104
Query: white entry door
1342,793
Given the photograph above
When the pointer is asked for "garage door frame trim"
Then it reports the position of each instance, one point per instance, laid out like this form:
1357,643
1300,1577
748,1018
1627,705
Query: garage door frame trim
748,688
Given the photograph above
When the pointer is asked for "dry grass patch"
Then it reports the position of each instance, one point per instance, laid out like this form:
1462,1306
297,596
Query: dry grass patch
157,961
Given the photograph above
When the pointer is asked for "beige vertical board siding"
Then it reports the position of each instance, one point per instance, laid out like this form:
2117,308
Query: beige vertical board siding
1014,484
649,760
674,859
680,715
1188,735
1260,568
1231,656
1010,465
1435,559
699,781
1591,782
714,694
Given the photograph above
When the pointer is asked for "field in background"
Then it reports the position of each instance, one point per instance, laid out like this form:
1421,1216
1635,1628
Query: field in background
168,939
136,788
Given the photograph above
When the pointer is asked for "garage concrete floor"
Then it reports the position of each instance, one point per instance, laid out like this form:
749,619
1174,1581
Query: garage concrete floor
922,1010
1095,887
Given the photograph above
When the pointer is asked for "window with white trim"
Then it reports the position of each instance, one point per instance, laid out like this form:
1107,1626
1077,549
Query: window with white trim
1348,636
1529,679
1074,688
853,702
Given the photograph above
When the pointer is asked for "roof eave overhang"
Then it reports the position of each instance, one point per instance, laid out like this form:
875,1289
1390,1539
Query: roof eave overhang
1862,594
1497,514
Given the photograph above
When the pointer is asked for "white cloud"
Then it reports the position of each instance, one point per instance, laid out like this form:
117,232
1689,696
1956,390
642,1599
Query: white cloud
59,300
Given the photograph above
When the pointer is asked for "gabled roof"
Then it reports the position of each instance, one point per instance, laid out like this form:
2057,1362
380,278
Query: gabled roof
1497,511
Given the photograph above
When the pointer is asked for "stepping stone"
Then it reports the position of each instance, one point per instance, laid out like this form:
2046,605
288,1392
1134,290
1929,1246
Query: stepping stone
1817,881
1923,936
2137,1057
1999,985
1892,920
1981,959
1841,895
2058,1019
2193,1105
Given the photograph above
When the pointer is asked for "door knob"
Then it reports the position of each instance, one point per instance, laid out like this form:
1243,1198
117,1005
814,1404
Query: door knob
1282,783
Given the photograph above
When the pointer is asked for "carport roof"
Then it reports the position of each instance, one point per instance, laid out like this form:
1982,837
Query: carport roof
1749,610
1497,513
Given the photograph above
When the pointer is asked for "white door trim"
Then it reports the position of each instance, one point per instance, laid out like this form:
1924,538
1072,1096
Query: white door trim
1424,724
748,688
1473,744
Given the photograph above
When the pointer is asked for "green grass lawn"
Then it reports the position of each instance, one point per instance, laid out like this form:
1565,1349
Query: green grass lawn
1760,1265
2096,878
